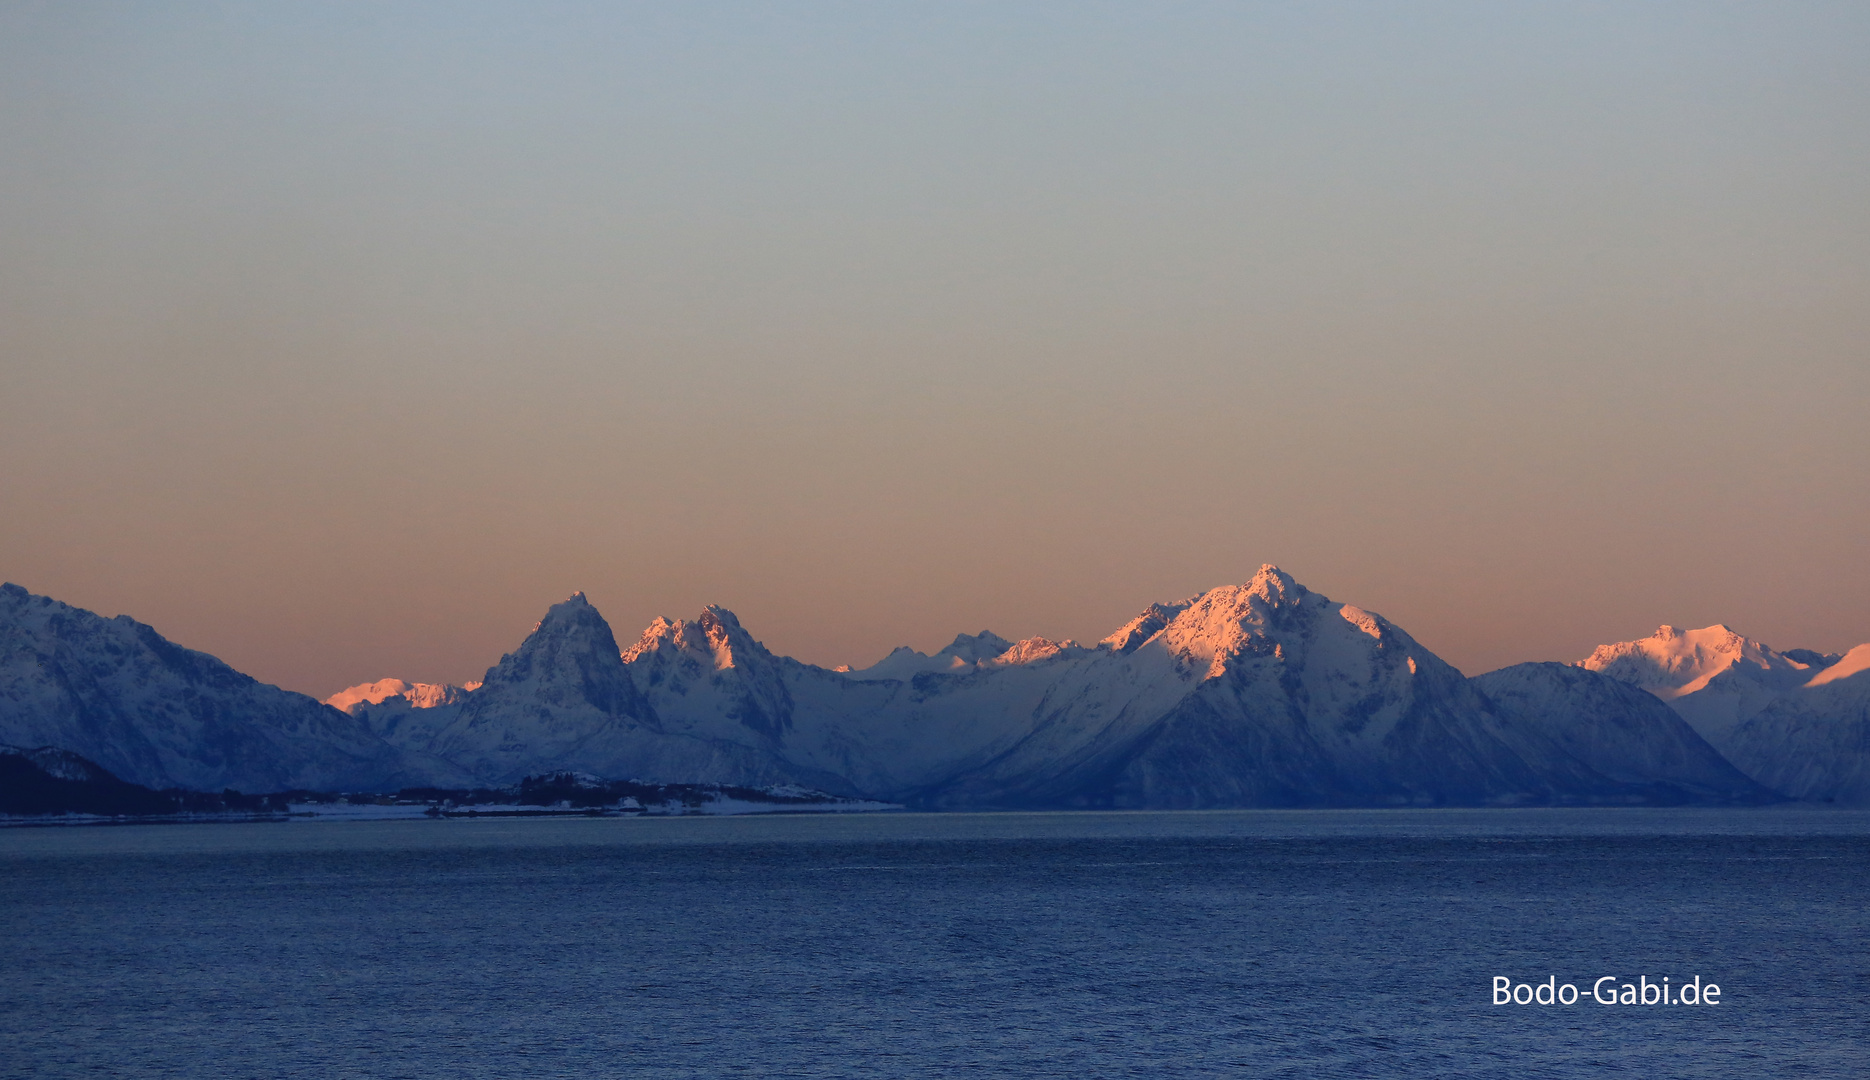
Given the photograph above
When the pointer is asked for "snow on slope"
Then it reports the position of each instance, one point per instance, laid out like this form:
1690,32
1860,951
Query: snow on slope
1813,743
1256,694
1851,663
1246,695
1618,731
1795,721
966,653
404,714
154,713
1674,663
1262,693
1713,677
564,700
416,695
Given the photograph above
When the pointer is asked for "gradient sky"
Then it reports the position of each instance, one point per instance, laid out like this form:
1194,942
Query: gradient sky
342,340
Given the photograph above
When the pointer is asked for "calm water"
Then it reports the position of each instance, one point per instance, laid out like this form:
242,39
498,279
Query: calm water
1296,944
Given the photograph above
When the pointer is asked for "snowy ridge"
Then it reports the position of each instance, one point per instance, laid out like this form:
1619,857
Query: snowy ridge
1674,663
1796,721
416,695
153,713
404,713
1146,625
1854,662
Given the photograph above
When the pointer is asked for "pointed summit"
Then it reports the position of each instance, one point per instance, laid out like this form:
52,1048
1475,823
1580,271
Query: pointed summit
564,685
572,607
974,648
1274,587
1269,589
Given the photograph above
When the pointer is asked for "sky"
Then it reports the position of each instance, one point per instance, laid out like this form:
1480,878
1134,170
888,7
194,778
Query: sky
341,340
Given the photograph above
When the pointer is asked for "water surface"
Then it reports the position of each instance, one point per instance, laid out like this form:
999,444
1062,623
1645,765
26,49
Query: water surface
1254,943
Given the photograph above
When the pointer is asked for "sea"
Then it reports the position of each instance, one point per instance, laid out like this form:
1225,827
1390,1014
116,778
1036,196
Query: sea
1263,943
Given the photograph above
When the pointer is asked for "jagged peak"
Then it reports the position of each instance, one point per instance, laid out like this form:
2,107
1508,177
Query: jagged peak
1032,650
715,633
974,648
1275,586
21,598
1812,658
1269,588
571,605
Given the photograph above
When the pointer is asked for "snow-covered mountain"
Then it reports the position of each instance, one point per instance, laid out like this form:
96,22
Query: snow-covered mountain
968,652
1617,731
1257,694
564,700
1796,721
407,714
153,713
1262,693
1717,676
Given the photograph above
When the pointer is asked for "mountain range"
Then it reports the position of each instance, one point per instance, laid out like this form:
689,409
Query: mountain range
1258,694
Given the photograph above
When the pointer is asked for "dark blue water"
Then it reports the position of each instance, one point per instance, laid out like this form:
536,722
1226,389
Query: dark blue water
1077,945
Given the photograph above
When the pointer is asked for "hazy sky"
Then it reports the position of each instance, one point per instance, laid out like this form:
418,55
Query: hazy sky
342,340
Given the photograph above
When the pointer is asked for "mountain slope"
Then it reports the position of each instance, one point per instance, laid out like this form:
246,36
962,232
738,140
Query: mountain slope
1814,743
1265,694
48,781
403,714
1797,722
1713,677
1618,731
156,714
1257,694
564,700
